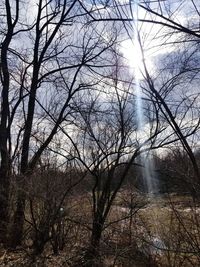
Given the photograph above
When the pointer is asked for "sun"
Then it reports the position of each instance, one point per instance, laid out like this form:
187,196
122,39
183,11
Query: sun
132,53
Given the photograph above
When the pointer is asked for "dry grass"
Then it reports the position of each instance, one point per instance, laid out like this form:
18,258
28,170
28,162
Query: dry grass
127,240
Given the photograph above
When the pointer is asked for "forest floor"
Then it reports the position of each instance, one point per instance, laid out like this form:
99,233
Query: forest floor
166,229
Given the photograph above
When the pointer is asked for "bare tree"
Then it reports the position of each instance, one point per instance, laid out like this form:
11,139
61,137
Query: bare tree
170,20
107,146
51,59
57,79
12,17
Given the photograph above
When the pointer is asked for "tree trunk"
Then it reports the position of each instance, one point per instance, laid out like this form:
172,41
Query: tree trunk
4,132
4,202
5,167
17,229
92,256
18,220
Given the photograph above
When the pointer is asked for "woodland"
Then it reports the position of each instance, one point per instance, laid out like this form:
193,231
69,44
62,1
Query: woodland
99,133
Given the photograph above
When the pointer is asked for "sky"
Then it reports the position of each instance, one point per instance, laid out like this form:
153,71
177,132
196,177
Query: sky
158,44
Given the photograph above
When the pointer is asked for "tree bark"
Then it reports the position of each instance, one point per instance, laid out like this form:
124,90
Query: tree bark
4,202
92,256
4,134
